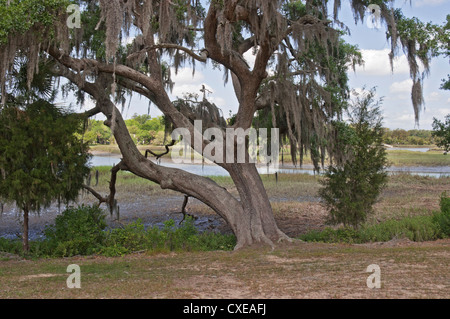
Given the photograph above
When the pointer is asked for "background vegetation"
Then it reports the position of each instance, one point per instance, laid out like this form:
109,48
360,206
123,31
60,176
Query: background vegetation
147,130
144,130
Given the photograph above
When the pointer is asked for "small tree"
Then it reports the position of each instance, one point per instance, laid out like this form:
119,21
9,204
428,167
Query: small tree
41,160
352,185
441,131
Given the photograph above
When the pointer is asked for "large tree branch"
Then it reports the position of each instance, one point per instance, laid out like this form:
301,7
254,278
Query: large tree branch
231,60
91,64
161,99
202,57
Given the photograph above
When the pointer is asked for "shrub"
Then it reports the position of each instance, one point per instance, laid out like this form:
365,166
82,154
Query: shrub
445,203
77,231
442,218
134,237
11,246
81,231
352,185
130,238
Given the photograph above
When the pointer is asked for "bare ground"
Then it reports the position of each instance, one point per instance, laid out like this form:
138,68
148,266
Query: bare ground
290,271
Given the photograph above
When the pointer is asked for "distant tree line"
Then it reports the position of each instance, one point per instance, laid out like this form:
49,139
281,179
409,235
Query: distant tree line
144,130
410,137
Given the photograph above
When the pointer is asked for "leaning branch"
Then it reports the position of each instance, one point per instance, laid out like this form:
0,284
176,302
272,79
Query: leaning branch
109,200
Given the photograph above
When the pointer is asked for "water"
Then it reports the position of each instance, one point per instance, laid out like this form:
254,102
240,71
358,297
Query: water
423,150
102,160
215,170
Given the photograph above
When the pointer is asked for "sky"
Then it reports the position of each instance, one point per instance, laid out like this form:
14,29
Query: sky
393,88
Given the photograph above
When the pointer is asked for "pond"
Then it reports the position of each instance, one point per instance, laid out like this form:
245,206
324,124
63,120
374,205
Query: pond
418,149
214,170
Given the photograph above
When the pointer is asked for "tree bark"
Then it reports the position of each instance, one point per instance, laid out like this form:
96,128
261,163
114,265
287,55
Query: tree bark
25,243
257,225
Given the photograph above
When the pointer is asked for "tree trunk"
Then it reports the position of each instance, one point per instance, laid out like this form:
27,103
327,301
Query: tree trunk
25,243
257,225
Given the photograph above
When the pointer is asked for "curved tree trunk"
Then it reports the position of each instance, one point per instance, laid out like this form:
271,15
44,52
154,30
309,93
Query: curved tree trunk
251,219
258,224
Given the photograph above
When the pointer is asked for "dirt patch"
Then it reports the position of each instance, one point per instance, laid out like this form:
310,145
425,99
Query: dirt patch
218,287
29,277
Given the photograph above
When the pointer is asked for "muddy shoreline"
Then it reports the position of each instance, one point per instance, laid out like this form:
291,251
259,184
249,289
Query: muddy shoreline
154,212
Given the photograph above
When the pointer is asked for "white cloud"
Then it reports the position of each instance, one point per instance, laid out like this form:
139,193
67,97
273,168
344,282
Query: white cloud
377,63
433,96
430,3
401,87
186,76
128,40
194,88
186,83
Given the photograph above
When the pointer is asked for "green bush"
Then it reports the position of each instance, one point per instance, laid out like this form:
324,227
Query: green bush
330,235
130,238
353,183
11,246
442,218
213,241
442,222
77,231
445,203
82,231
134,237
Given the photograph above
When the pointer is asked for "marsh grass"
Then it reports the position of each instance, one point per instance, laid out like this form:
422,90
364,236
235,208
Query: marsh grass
410,158
405,194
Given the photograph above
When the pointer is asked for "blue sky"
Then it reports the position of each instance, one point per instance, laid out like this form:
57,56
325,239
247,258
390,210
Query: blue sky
394,88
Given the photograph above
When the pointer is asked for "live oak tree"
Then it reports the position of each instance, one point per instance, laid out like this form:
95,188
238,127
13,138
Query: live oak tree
297,41
41,160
